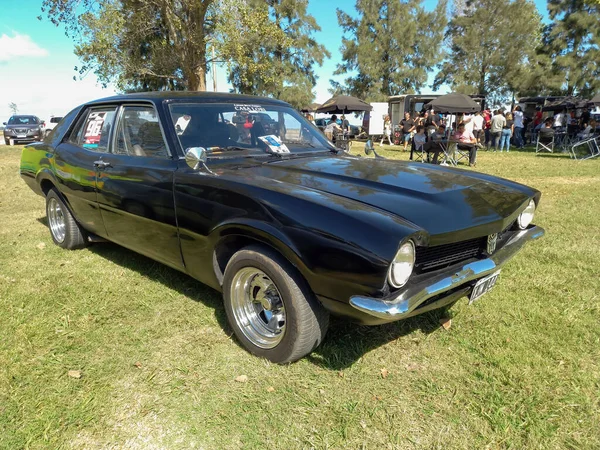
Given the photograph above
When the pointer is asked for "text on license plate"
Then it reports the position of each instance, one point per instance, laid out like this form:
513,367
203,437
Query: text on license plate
483,286
21,136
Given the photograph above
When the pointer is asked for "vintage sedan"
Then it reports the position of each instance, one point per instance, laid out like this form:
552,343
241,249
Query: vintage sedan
286,226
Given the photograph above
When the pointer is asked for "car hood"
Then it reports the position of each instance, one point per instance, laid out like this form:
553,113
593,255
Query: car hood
450,204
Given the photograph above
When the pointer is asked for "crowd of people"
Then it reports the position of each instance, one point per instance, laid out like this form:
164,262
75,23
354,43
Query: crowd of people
493,130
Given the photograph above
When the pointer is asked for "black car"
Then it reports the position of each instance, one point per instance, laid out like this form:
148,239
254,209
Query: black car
286,226
23,129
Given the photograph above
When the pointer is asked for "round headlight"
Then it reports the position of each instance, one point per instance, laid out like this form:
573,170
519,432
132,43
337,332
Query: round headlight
403,265
526,217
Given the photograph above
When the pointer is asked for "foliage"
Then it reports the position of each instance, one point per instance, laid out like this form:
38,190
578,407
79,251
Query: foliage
14,109
520,368
139,44
493,47
391,47
572,46
275,52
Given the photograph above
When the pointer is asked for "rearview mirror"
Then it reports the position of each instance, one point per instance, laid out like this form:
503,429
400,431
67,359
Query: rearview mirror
195,157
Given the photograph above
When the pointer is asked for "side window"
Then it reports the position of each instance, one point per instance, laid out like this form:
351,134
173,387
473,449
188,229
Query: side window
92,132
139,133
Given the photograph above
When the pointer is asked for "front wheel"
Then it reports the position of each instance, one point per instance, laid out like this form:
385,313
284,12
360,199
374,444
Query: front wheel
270,307
65,231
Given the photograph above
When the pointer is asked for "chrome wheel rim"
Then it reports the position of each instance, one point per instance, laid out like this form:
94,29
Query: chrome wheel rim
257,307
56,219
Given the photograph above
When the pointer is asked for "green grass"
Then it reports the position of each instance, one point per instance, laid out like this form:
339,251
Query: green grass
518,369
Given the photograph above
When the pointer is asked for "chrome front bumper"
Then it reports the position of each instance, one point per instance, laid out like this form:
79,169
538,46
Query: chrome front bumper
456,283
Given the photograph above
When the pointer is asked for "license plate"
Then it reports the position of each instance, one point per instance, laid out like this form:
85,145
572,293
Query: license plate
21,136
484,285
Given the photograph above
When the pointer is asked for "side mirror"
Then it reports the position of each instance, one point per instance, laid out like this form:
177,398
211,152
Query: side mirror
3,123
370,149
195,157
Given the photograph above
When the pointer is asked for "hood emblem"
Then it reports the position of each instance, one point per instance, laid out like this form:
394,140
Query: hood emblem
492,240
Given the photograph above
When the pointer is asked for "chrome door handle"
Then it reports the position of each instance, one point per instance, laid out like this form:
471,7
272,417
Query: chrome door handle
102,164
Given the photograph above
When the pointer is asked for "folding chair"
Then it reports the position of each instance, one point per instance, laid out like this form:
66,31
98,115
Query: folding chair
463,153
449,149
419,151
544,143
591,144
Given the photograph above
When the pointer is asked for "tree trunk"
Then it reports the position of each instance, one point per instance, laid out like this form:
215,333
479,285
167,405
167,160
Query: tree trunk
196,79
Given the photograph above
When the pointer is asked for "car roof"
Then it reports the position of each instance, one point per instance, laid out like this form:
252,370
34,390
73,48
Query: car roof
208,97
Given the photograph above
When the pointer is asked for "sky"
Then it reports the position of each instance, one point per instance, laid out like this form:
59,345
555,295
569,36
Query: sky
37,60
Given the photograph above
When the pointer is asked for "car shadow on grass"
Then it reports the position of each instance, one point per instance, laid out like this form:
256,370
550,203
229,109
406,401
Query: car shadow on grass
171,278
347,342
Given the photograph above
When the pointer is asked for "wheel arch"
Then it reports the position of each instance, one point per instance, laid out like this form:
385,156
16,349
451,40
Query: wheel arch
232,238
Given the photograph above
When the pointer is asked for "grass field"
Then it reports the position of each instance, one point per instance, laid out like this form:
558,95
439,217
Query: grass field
158,364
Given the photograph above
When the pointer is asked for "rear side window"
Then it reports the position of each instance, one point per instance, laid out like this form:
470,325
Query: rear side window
92,132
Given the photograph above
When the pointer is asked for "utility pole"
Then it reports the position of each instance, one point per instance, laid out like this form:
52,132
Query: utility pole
214,69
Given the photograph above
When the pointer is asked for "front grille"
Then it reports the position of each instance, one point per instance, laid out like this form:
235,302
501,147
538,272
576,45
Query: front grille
21,130
432,258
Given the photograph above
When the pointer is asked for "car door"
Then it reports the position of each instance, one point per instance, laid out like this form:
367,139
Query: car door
135,186
75,162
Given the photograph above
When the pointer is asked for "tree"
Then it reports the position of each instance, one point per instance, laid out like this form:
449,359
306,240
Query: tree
13,108
139,44
391,46
572,43
278,60
493,48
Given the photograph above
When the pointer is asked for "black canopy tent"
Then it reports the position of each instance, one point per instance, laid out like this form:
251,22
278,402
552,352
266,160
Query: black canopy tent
454,103
310,108
341,104
596,100
568,102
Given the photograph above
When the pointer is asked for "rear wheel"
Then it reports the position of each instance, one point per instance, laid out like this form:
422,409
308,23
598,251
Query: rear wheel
270,307
65,231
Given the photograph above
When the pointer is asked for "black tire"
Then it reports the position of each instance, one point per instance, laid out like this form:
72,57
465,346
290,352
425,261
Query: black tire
306,320
56,211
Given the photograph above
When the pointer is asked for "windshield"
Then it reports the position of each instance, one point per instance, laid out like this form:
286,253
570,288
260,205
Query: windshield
23,120
253,128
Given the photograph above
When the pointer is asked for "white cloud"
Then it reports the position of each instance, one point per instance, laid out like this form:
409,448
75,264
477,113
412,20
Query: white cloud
20,45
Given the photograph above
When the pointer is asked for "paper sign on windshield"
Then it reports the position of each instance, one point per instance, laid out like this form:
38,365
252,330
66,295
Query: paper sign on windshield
274,144
249,108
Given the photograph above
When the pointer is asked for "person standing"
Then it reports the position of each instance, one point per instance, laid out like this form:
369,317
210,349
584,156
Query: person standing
518,127
408,126
387,130
507,132
559,120
496,126
478,126
537,122
487,123
584,120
